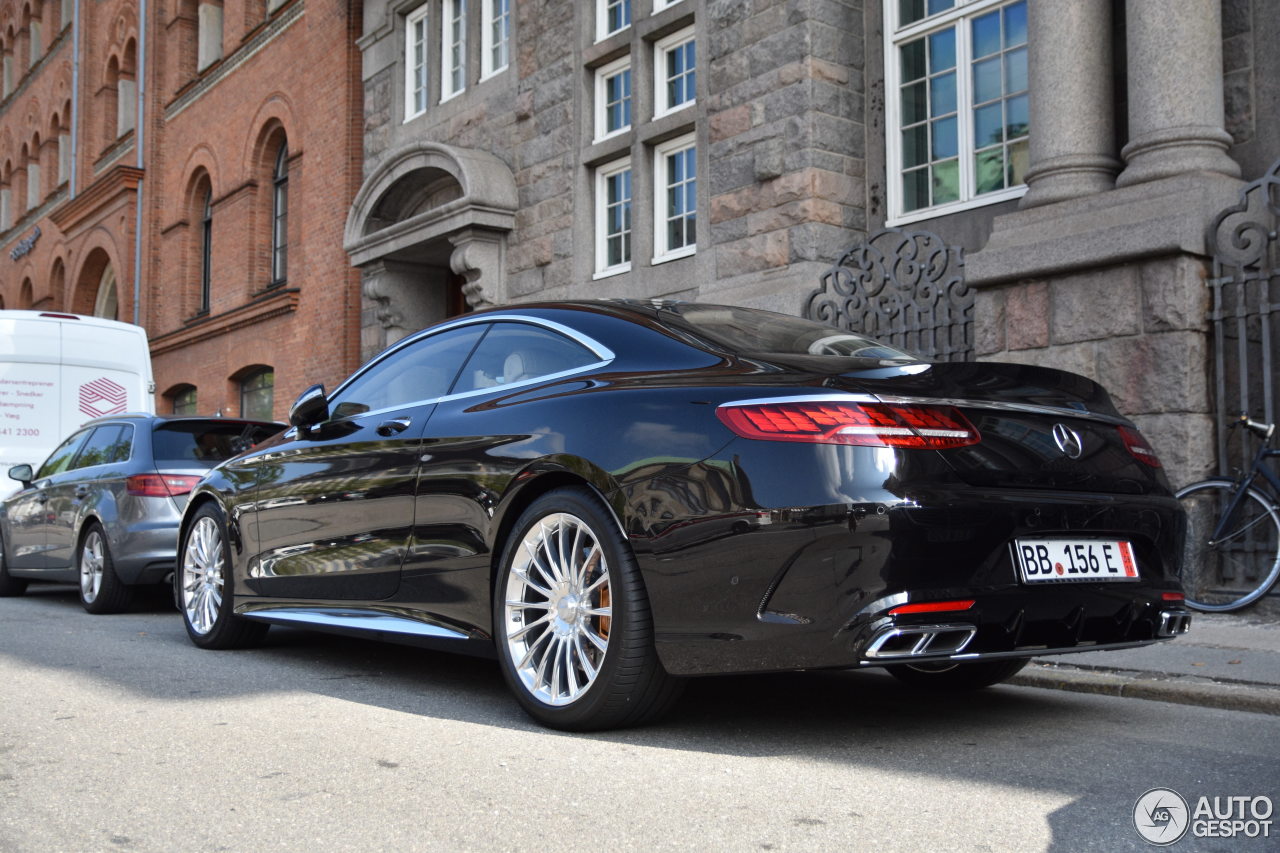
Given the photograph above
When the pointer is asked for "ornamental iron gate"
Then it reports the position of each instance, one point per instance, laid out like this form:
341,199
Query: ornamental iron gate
1245,313
905,288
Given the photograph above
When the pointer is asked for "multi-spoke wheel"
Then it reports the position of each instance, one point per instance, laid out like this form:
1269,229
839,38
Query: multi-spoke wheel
101,590
946,675
204,586
9,585
574,632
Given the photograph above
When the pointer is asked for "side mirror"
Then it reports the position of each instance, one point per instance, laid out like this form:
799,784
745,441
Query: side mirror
22,473
311,408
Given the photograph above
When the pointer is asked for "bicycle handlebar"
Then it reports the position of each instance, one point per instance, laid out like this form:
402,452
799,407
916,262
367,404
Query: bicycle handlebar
1264,430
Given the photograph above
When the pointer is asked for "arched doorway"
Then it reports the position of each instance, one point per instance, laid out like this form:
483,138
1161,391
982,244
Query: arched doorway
428,232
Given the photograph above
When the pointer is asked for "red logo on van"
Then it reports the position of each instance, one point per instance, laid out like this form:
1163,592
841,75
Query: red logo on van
102,397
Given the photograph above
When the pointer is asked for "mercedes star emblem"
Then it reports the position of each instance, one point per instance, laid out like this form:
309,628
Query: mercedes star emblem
1068,441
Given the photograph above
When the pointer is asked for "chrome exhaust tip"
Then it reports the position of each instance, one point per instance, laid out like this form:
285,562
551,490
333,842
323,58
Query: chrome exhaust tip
1173,623
911,641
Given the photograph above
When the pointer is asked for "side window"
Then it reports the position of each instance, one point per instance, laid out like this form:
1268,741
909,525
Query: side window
107,444
519,352
60,459
423,370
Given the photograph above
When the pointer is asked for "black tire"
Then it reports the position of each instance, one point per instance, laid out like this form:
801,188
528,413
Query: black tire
203,581
101,590
9,585
1244,563
622,684
957,676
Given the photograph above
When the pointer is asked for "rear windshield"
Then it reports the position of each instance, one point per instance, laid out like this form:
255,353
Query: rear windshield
186,444
746,331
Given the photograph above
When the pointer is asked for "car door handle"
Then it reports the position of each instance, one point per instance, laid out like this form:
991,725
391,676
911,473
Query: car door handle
393,426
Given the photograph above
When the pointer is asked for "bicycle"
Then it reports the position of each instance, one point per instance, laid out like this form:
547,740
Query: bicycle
1232,555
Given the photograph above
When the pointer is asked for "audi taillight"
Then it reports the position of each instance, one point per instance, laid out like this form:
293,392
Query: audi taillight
866,424
160,485
1138,447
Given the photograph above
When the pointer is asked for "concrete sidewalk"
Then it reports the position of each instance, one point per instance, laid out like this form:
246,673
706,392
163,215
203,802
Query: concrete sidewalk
1225,661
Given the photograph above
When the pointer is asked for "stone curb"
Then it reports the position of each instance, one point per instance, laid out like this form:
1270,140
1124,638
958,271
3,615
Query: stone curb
1207,694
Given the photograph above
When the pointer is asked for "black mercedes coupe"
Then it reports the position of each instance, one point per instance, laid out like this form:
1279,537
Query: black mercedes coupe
612,495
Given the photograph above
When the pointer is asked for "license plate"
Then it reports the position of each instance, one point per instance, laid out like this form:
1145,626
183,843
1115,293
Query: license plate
1058,560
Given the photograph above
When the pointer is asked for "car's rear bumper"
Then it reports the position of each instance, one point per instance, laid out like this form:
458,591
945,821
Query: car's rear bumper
759,589
145,552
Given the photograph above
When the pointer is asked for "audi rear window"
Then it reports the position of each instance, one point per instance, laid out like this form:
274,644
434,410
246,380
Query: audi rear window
747,331
191,443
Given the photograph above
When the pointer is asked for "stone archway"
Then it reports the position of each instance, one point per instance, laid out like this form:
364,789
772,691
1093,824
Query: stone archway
430,220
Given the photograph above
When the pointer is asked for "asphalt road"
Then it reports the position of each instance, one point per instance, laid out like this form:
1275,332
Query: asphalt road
118,734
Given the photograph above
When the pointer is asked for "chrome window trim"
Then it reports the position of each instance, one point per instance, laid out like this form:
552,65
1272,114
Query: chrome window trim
603,354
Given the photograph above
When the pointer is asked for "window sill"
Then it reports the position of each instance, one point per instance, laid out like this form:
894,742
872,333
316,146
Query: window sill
611,272
956,207
611,135
675,256
673,110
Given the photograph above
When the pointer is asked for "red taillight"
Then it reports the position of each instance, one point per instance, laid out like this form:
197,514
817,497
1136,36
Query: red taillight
160,485
1138,447
866,424
1172,596
933,607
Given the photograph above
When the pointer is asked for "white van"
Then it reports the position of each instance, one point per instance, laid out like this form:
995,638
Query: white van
58,371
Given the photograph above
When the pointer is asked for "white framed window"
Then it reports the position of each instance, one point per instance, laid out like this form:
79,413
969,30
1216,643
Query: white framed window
675,72
956,103
415,62
612,16
453,48
675,202
495,37
613,98
613,218
659,5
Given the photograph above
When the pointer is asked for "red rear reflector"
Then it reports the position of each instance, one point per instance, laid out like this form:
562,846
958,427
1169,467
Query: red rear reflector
865,424
932,607
1172,596
160,485
1138,447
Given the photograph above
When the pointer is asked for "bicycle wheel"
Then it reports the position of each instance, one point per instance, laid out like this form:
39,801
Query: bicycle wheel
1238,567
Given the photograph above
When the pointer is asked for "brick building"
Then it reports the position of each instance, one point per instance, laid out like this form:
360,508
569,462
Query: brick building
207,204
455,153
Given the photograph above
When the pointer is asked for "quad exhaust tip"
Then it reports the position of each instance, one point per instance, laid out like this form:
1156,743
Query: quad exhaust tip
910,641
1173,623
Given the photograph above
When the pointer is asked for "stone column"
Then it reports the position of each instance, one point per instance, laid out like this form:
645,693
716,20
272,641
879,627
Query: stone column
1072,128
1175,91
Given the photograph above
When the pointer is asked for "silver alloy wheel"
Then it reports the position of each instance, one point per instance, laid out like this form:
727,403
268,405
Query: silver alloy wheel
91,563
202,575
558,609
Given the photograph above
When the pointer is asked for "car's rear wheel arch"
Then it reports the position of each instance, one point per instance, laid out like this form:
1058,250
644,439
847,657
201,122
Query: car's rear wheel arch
528,491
